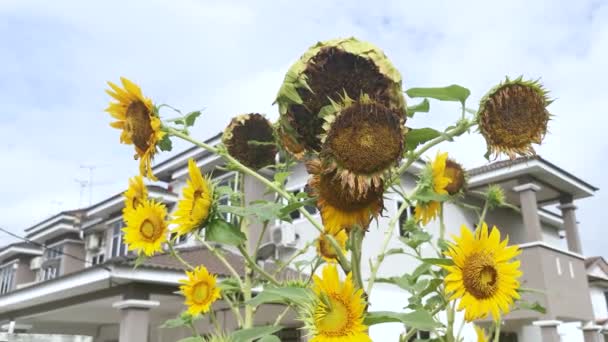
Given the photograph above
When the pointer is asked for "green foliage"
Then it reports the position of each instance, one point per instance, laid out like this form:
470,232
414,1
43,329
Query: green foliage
418,136
165,143
251,334
218,230
140,260
269,338
534,306
438,261
419,319
453,92
184,319
422,107
282,295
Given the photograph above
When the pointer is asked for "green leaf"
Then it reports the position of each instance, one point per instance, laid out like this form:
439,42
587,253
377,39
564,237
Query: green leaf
419,319
286,210
422,107
416,137
416,238
192,339
248,335
536,306
438,261
191,117
426,194
140,260
420,270
394,251
165,143
221,231
432,286
177,322
453,92
403,282
270,338
282,295
443,244
280,177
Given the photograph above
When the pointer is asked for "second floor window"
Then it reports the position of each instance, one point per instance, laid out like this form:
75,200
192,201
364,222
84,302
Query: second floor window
48,273
97,259
54,252
7,278
118,247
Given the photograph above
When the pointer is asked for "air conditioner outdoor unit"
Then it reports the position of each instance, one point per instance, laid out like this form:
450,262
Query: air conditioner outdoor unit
284,235
35,263
93,241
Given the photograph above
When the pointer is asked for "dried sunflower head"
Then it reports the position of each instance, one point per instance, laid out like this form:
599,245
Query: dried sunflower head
512,116
457,175
363,139
250,139
327,70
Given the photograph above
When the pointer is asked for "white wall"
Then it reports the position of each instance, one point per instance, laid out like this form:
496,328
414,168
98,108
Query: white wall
598,301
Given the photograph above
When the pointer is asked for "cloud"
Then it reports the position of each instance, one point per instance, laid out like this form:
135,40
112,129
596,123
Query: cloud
230,57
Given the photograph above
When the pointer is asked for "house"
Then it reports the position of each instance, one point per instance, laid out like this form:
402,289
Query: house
91,288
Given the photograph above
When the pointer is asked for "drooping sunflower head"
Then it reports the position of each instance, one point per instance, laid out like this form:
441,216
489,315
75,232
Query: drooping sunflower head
481,334
250,139
289,143
457,175
513,115
146,228
338,309
328,70
195,208
138,120
426,212
200,290
136,194
362,140
484,277
340,207
324,247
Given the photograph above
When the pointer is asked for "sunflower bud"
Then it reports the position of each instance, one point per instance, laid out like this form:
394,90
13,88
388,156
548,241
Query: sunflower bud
249,138
327,70
512,116
495,196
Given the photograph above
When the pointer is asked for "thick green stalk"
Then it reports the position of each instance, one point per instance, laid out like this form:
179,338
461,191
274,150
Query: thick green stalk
497,330
221,258
356,238
251,263
482,217
176,255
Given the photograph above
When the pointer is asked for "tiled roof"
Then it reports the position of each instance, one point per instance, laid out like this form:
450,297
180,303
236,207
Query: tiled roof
500,164
19,245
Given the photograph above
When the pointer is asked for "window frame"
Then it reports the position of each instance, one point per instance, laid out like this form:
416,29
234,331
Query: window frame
8,274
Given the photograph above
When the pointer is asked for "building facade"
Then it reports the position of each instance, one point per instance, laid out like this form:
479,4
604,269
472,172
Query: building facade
76,277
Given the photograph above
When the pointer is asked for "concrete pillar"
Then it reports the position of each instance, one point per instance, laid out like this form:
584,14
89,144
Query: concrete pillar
256,190
134,319
569,216
592,332
529,211
548,330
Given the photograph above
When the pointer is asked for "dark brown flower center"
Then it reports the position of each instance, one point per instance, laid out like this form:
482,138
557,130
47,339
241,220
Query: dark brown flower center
480,276
455,173
365,138
331,190
138,123
330,74
252,141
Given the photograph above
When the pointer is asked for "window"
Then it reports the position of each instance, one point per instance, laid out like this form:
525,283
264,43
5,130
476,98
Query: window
403,218
229,180
53,252
118,247
296,214
7,278
97,259
48,273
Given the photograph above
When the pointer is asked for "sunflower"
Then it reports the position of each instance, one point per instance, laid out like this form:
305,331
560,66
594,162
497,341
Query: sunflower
337,312
341,208
457,175
363,139
483,276
146,229
250,139
200,290
195,208
324,247
136,194
481,334
513,115
427,211
138,120
326,71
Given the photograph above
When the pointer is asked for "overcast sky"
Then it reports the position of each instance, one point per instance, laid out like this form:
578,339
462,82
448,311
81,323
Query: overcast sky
230,57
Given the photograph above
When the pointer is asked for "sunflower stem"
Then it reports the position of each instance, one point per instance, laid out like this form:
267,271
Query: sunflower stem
256,267
235,311
218,254
281,316
244,169
356,237
482,217
176,255
388,234
441,223
293,257
497,330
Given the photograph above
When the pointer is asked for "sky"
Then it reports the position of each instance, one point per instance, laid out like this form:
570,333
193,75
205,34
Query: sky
230,58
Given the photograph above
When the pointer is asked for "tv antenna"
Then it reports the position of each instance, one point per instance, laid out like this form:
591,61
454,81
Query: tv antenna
83,184
91,169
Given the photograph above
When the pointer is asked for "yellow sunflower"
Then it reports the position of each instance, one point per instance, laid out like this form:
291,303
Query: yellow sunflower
146,229
138,121
428,211
483,276
338,311
200,290
194,209
324,247
136,194
339,207
481,334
